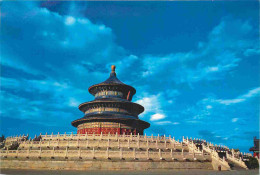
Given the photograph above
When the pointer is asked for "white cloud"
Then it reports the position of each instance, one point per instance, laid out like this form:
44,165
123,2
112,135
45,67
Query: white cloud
234,120
157,117
151,103
209,107
73,102
69,20
213,69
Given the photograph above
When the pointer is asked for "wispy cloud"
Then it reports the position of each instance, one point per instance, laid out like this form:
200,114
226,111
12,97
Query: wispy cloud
167,123
241,98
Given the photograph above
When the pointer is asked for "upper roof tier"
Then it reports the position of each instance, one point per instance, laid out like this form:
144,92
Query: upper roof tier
113,84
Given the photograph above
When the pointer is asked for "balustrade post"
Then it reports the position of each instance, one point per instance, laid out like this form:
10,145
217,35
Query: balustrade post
145,137
116,136
121,153
101,136
87,144
28,153
134,153
40,153
108,135
131,136
107,152
172,155
66,152
138,143
147,144
147,151
160,154
124,135
193,155
164,137
53,150
156,144
128,143
165,144
79,153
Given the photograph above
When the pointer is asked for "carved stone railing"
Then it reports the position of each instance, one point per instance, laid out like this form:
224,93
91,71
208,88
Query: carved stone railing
120,143
239,161
192,147
216,160
224,164
102,154
96,137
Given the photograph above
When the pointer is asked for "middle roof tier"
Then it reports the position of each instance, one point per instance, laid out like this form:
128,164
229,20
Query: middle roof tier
111,105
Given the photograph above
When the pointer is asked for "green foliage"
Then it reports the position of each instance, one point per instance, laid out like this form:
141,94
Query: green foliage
252,163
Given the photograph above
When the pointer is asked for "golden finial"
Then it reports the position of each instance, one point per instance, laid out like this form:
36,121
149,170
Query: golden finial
113,68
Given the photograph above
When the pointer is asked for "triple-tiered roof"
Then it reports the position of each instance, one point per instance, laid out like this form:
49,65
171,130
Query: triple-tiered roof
114,94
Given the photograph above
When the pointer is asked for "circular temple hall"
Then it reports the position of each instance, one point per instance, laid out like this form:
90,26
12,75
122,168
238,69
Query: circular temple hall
111,112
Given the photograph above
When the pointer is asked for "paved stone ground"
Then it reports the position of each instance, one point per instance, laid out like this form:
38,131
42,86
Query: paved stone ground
127,172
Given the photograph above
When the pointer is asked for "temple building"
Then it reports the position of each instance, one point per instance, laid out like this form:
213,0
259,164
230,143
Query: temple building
112,110
255,149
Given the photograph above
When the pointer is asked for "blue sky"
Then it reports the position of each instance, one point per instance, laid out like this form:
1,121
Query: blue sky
195,65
